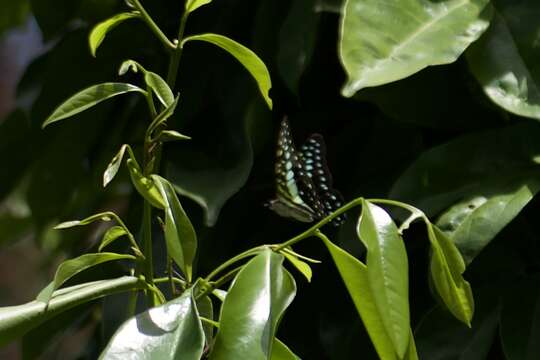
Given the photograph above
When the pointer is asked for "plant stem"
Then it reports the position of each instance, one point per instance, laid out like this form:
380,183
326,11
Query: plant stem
177,54
311,231
148,266
233,260
153,26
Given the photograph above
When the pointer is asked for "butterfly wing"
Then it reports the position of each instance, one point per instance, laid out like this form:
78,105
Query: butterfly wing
296,194
313,153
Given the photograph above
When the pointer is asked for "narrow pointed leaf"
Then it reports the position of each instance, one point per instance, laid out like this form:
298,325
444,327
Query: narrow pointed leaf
159,87
180,235
300,265
192,5
128,65
163,116
114,166
15,321
254,305
88,98
447,267
105,216
72,267
100,30
355,276
171,135
145,186
385,41
387,270
245,56
112,234
280,351
170,331
206,310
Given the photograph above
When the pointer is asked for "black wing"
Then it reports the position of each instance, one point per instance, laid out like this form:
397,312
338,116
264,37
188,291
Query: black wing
316,168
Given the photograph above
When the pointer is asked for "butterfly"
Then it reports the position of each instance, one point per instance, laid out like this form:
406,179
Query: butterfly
303,182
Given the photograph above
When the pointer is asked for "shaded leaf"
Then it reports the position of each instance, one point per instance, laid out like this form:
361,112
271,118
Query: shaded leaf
98,33
88,98
114,166
72,267
387,271
245,56
504,60
254,305
180,235
170,331
387,41
15,321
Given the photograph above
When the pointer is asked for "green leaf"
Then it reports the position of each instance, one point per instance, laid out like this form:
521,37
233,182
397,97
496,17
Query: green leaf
163,116
105,216
171,135
15,321
170,331
145,186
473,170
206,310
280,351
447,267
159,87
440,337
114,166
129,65
520,320
112,234
387,41
356,279
180,235
504,60
88,98
254,305
301,266
72,267
192,5
245,56
98,33
472,222
387,271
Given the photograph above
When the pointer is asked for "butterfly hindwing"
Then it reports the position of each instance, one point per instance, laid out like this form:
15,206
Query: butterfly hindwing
313,153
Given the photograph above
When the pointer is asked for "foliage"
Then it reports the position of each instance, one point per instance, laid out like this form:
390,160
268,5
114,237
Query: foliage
438,166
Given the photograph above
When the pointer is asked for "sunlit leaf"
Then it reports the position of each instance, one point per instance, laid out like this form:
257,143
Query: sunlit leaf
300,265
387,271
170,331
254,305
15,321
98,33
160,88
192,5
172,135
88,98
72,267
245,56
385,41
112,234
355,276
180,235
106,216
144,185
447,267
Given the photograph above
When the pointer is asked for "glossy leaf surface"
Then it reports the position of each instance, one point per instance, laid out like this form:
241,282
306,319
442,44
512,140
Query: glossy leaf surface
170,331
88,98
144,185
160,88
387,41
192,5
355,276
387,271
245,56
99,32
255,303
180,235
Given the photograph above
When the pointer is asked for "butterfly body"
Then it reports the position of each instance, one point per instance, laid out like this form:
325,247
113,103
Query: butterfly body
303,181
